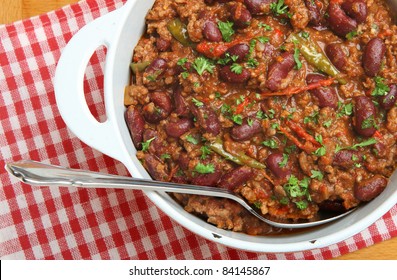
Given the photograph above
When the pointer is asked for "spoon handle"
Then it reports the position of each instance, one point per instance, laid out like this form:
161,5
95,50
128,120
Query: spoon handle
38,173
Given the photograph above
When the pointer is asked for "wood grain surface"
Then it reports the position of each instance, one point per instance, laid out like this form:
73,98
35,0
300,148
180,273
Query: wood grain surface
13,10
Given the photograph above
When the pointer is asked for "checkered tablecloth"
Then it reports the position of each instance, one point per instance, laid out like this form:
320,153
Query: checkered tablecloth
44,223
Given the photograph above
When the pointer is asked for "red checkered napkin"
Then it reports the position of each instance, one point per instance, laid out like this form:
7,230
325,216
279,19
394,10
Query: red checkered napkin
44,223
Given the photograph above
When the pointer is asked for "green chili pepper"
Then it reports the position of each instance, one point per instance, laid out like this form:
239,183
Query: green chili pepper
178,29
139,66
240,158
315,56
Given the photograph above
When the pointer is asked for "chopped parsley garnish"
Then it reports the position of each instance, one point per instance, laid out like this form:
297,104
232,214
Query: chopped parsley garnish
252,46
284,162
197,103
225,109
258,204
290,149
240,100
284,200
227,58
204,168
351,35
250,122
381,88
238,119
312,118
165,156
327,124
265,26
226,29
185,75
368,142
205,152
301,205
320,151
192,140
181,62
263,39
146,144
201,64
271,143
151,78
295,188
236,68
344,109
316,174
296,58
279,8
305,34
271,113
252,63
369,123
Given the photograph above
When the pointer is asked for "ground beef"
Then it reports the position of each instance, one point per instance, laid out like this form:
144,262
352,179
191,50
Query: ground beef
244,105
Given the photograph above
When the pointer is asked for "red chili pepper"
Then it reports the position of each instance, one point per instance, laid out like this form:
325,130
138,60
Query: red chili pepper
211,50
216,50
296,90
302,133
378,135
240,107
386,33
278,32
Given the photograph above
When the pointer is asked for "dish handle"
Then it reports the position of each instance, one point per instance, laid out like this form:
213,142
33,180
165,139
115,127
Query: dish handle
69,84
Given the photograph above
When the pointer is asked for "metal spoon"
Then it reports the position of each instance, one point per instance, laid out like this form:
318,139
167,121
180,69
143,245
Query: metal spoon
37,173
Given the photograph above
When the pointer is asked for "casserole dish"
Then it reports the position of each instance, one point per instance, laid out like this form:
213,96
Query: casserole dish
120,31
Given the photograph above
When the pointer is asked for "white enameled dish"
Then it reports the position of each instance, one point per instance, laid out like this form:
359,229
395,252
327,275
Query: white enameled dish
120,31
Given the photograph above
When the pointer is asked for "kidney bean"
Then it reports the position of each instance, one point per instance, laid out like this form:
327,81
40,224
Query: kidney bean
380,149
136,125
365,116
370,188
236,177
159,108
326,96
210,179
183,161
162,44
155,167
314,12
211,32
227,75
337,55
346,158
207,119
156,145
273,162
178,128
181,107
246,130
268,51
356,9
240,16
372,57
258,7
387,101
332,206
279,70
157,67
240,50
339,22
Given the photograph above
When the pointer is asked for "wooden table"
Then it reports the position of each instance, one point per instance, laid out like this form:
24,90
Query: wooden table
12,10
